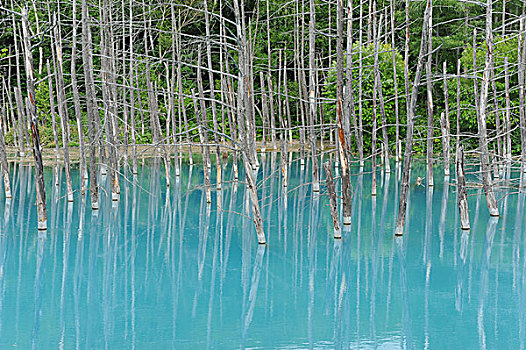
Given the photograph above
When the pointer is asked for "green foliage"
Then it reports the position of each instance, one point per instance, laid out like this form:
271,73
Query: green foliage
503,47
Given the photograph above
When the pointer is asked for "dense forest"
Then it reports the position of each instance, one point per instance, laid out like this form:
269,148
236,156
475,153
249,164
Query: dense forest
369,78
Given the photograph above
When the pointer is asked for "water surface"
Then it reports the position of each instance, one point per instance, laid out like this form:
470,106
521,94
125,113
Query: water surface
161,268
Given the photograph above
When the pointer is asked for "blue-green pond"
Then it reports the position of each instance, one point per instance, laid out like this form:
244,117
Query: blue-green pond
163,269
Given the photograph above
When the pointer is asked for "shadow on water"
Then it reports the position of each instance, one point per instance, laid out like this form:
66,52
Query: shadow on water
163,268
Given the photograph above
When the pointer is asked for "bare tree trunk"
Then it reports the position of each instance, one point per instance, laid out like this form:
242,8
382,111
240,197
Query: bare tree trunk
343,136
461,190
349,91
132,118
385,141
333,203
4,163
406,66
508,108
444,126
395,75
483,138
203,135
7,90
400,221
76,101
244,106
182,107
375,88
269,57
286,92
444,123
175,75
429,79
283,160
22,133
212,95
63,111
458,104
157,136
475,72
37,149
258,221
91,103
360,88
53,122
264,107
496,110
522,102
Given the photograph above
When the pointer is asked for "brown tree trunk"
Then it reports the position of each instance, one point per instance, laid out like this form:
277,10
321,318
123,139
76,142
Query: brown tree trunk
331,189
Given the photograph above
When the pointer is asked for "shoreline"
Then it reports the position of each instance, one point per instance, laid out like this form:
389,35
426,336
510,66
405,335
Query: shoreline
50,156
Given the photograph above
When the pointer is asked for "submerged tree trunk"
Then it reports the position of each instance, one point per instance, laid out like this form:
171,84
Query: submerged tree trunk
461,190
404,190
331,189
244,105
91,103
313,98
35,136
481,120
341,120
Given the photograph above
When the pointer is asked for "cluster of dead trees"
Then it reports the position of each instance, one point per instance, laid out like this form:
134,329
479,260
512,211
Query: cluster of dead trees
100,72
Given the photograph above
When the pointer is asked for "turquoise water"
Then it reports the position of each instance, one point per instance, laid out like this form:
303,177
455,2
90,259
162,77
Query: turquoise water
162,269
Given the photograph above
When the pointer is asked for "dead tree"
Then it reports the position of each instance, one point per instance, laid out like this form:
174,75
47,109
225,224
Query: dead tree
406,66
375,119
203,137
76,101
91,103
53,121
349,91
3,161
429,79
458,104
331,189
404,186
481,120
63,110
397,119
508,108
343,134
35,136
312,97
243,119
212,94
22,130
378,77
522,103
444,123
461,190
